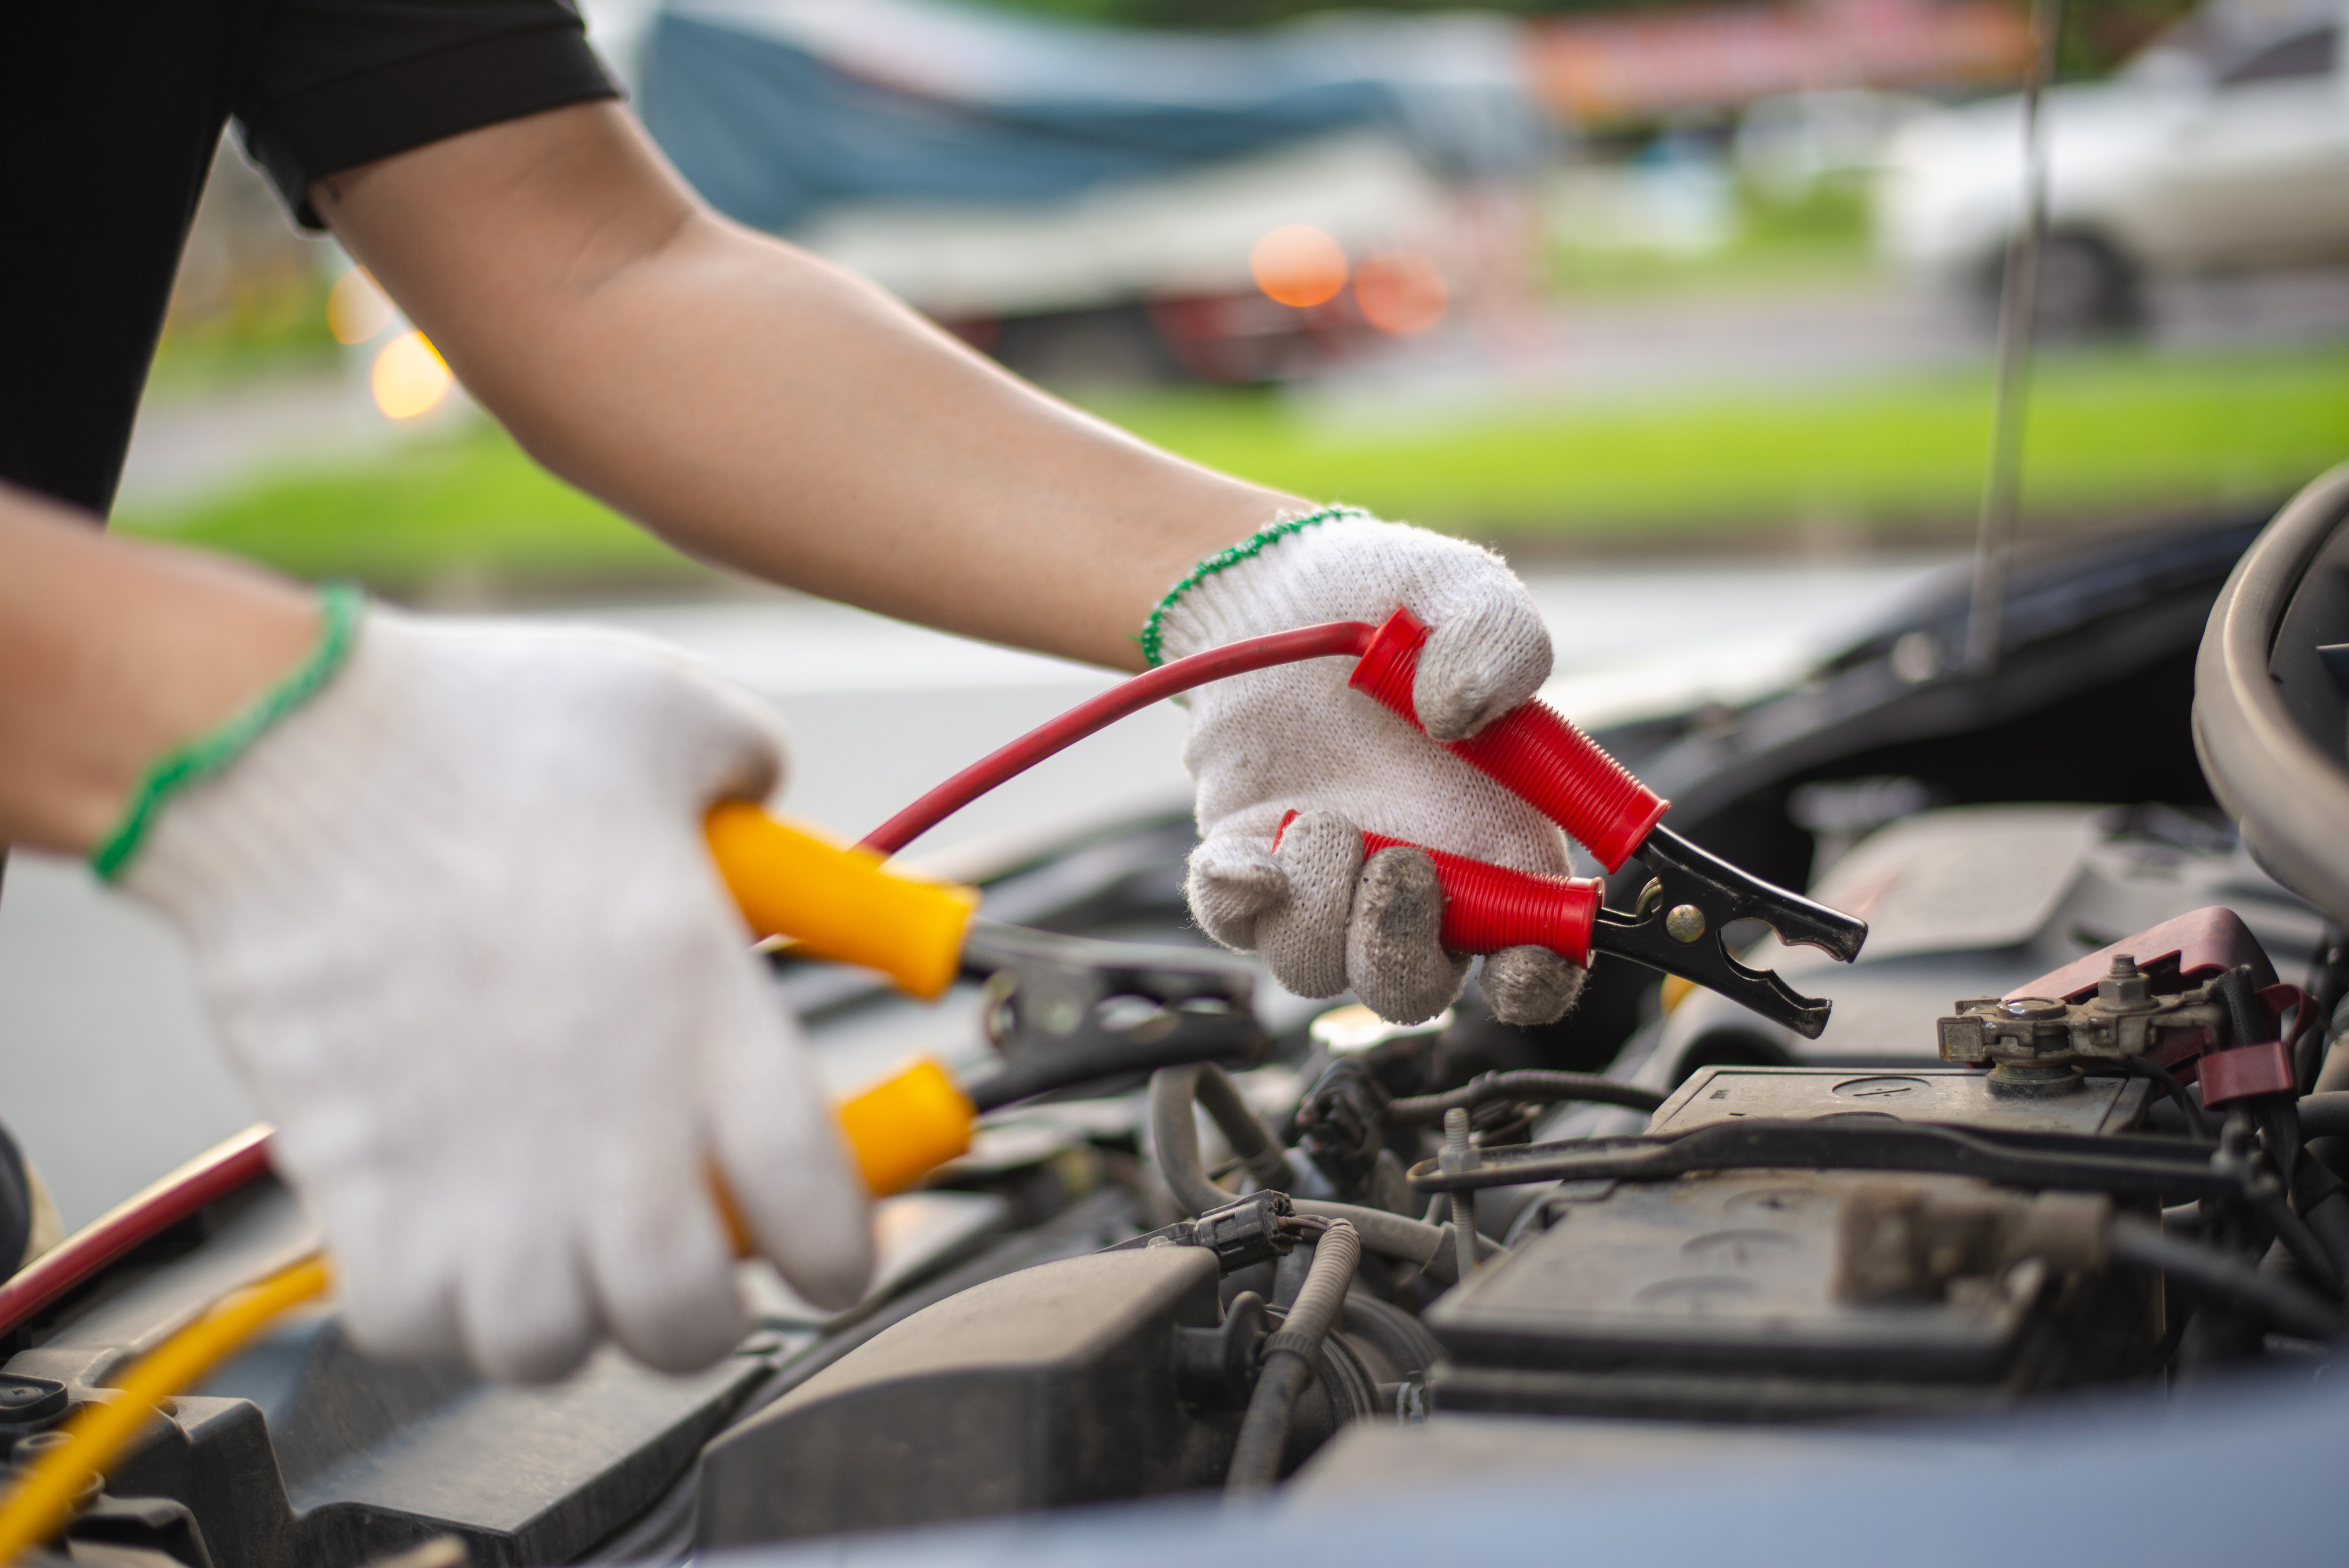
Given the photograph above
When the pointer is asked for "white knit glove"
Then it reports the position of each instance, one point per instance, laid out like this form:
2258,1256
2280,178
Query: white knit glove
460,927
1297,738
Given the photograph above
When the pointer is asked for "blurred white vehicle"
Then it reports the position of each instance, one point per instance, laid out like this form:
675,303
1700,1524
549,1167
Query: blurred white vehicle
2225,145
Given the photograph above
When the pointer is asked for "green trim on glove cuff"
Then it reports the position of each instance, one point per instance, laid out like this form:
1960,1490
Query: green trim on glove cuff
340,607
1154,630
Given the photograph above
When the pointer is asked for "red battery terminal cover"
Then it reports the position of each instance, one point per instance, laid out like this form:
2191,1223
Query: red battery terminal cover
2247,1071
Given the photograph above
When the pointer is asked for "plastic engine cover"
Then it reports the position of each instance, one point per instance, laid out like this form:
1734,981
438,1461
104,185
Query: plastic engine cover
1048,1387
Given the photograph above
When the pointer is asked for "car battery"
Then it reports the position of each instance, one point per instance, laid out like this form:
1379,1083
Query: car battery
1715,1296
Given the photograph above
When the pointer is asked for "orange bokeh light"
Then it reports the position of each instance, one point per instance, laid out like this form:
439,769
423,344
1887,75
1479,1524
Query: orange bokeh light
1298,264
355,309
1399,292
409,376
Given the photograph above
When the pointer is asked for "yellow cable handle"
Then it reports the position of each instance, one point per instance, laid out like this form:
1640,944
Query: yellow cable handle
96,1433
900,1128
838,903
907,1126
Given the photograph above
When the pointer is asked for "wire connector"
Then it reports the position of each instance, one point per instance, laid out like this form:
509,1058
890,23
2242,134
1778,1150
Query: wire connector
1247,1231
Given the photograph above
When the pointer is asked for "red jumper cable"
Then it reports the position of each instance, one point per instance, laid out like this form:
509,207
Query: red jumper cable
1532,750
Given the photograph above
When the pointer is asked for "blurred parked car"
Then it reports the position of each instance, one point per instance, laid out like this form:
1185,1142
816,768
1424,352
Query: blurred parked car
1089,199
2224,145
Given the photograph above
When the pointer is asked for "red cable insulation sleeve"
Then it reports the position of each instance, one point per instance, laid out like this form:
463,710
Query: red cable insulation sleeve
1487,907
1348,638
205,1180
1534,750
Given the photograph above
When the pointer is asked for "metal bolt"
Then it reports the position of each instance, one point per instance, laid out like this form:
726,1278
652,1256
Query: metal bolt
1058,1012
1684,922
998,1015
2124,989
1459,1154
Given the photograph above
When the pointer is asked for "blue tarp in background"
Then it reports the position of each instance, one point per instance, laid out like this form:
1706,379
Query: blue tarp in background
775,109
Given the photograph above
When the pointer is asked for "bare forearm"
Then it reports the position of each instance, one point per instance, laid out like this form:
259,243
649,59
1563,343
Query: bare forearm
111,654
755,405
817,434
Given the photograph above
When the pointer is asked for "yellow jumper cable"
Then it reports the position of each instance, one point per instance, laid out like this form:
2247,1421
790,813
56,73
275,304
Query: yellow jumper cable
97,1432
909,1124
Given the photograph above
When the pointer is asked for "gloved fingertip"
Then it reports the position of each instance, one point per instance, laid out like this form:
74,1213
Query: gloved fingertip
1395,959
1531,986
1228,886
792,1176
1454,715
1303,941
395,1278
828,1254
693,1332
664,1274
1319,848
834,1283
526,1316
760,760
426,1330
1479,664
537,1362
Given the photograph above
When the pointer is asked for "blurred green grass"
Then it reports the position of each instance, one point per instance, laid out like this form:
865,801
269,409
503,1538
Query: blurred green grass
459,509
2106,433
2109,433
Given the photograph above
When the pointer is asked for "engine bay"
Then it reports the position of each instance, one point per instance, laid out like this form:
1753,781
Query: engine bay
2075,1129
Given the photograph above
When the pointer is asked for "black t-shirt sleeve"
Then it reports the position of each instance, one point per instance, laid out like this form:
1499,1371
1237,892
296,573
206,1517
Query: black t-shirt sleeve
338,83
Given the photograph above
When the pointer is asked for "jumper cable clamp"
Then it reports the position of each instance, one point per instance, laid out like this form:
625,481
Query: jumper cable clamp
1679,922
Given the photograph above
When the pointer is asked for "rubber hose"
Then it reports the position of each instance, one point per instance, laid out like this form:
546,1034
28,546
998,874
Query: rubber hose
1291,1356
1244,1130
1175,1134
2306,1247
2326,1213
2278,1116
2324,1115
1414,1241
1392,1235
1427,1109
2333,1075
1396,1235
2285,1306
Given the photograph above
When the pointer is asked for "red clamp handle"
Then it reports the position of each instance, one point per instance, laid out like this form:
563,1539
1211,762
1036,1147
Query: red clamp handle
1487,907
1535,752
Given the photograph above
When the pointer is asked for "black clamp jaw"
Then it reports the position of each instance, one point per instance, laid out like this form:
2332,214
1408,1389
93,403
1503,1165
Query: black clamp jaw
1691,900
1067,1010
